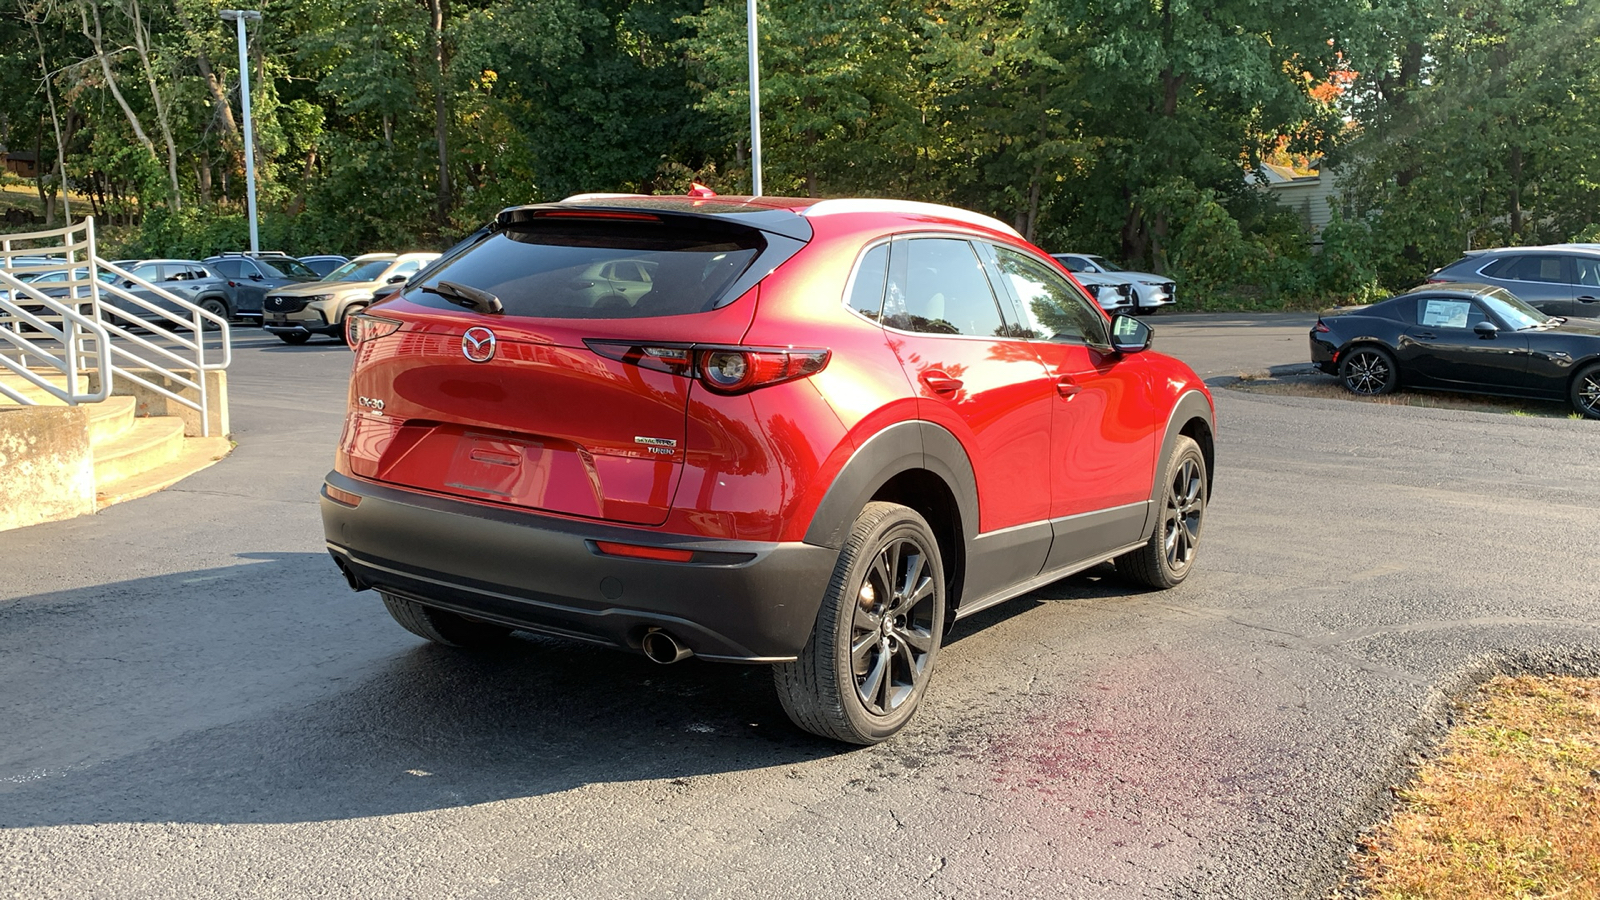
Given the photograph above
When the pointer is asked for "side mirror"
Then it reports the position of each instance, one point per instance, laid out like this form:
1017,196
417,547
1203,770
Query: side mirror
395,279
1485,330
255,276
1129,335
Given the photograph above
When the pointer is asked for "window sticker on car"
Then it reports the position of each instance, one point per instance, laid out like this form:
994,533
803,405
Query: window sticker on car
1445,313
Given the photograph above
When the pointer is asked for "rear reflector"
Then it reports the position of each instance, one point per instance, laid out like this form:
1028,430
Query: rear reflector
639,551
344,498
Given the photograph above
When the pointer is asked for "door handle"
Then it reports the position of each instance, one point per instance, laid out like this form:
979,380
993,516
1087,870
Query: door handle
1066,387
1588,299
1426,335
939,382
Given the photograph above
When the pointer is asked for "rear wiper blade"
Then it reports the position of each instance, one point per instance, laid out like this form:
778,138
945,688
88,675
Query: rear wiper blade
470,297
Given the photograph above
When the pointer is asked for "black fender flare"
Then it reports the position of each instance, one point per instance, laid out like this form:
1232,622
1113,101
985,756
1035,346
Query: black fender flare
1192,405
902,447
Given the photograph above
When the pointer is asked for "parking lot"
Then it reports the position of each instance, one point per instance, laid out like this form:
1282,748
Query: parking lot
196,706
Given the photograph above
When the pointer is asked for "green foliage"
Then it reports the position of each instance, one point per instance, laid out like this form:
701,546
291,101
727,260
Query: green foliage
1122,127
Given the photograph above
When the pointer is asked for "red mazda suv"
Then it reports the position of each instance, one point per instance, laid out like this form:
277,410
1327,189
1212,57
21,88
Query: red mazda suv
806,433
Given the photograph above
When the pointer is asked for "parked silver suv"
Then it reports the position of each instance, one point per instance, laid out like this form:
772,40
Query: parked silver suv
1559,279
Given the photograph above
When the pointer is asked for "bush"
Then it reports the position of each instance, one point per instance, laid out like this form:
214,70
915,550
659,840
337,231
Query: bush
1347,267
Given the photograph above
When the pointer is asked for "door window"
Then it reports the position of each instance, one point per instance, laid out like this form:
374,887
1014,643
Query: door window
1050,307
1448,312
943,290
1588,270
230,268
414,266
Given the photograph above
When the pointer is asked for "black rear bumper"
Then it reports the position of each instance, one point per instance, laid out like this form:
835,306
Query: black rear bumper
735,601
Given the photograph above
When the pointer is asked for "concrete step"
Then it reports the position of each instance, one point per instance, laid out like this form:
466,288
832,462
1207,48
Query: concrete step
194,454
149,443
110,419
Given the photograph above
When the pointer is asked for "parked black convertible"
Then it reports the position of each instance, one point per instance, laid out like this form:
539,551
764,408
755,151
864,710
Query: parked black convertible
1461,337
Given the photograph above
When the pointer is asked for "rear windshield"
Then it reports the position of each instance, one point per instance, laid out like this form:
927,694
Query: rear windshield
602,269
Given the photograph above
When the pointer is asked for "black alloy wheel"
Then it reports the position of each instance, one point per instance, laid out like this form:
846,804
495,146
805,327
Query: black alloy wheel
871,654
1369,371
217,308
1585,392
1167,556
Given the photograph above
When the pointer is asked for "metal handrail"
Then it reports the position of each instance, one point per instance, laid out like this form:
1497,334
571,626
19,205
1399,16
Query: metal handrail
69,363
117,351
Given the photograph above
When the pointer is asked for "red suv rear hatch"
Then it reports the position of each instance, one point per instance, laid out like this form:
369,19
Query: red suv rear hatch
544,422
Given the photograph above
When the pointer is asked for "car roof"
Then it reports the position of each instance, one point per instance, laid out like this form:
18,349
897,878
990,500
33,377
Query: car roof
780,215
1585,249
1463,288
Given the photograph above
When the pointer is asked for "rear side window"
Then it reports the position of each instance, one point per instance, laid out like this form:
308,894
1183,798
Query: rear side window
866,290
603,269
1528,267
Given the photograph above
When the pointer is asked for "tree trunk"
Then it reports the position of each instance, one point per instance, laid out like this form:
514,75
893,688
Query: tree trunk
55,121
97,40
202,178
46,208
1516,195
1035,186
141,46
441,110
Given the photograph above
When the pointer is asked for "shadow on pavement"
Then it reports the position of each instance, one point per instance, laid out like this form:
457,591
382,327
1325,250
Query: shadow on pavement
420,727
266,693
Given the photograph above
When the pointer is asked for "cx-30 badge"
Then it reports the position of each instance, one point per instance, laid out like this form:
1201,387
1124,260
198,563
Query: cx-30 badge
478,345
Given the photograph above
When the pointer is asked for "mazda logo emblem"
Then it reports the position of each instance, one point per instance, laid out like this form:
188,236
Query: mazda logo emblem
477,345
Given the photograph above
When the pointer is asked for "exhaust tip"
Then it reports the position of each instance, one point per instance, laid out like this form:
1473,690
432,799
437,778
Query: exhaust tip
661,647
356,584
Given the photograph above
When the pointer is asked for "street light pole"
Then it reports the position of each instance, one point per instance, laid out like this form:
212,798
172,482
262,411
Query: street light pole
755,102
238,18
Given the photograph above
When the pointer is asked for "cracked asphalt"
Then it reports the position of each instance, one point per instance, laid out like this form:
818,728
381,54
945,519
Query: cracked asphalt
194,704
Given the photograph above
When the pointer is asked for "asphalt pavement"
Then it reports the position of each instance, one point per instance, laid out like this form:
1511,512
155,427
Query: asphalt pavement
194,705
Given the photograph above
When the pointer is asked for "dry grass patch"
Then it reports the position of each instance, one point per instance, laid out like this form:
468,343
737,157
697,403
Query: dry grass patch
1510,808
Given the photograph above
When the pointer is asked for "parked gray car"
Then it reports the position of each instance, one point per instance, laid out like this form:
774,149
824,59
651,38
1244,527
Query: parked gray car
1558,280
251,276
188,279
1151,291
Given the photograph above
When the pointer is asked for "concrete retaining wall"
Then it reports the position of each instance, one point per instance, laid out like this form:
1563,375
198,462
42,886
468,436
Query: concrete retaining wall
46,465
154,403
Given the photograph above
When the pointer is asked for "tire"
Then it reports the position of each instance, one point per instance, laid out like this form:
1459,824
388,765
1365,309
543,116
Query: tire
1167,557
218,308
443,627
1585,391
886,599
1369,371
1143,310
343,336
294,339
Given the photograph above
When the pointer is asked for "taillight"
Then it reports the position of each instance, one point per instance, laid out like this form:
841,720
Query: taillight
360,328
1321,327
726,370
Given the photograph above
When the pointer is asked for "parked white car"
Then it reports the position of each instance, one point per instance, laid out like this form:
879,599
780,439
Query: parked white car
1113,294
1152,291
